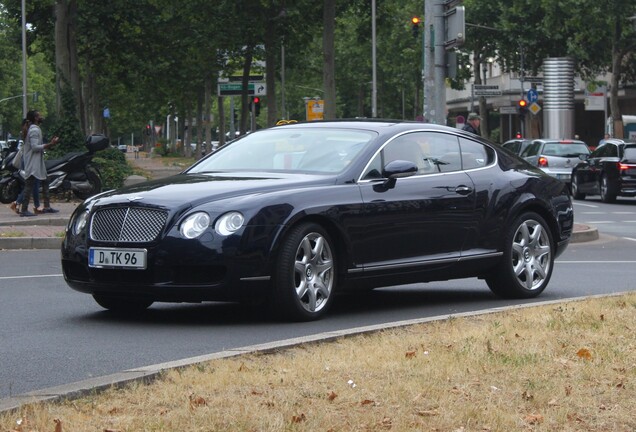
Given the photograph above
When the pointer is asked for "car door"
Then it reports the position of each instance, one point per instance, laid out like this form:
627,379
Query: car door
587,172
423,219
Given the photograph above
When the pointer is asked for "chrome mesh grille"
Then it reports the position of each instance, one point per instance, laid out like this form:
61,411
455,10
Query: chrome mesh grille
127,224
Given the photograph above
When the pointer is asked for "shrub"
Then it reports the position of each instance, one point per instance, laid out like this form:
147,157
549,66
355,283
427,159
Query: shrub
113,167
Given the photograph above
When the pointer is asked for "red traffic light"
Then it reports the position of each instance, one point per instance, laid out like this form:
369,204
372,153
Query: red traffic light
256,99
523,103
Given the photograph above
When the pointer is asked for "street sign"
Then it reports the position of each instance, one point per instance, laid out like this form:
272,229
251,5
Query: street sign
260,89
232,88
508,110
532,96
534,108
455,26
533,79
486,90
239,78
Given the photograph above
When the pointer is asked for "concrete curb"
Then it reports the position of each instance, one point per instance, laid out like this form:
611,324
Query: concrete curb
149,373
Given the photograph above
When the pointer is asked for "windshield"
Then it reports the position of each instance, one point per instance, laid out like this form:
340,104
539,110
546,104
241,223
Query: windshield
319,150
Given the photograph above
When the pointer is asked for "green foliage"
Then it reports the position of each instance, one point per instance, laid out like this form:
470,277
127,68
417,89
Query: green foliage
67,128
113,168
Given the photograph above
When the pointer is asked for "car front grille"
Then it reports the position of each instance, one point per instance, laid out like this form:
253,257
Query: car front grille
127,224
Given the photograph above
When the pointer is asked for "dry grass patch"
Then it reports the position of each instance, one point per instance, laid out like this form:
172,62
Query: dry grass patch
569,367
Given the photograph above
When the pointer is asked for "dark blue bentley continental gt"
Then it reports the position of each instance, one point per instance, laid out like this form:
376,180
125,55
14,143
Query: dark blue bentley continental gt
292,215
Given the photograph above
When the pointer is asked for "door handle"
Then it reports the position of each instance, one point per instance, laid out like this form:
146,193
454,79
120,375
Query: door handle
463,190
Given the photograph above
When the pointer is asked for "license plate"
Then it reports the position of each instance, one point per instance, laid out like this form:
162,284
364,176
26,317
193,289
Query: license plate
563,176
117,258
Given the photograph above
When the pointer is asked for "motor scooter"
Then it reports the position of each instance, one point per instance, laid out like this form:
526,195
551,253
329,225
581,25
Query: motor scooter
10,180
72,172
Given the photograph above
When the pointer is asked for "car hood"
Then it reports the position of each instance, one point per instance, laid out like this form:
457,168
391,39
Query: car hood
195,189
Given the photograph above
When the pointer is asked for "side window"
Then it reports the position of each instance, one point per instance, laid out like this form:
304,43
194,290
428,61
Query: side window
475,155
531,150
432,152
611,151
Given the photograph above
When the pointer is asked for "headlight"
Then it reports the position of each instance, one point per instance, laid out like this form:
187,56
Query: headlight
194,225
80,222
229,223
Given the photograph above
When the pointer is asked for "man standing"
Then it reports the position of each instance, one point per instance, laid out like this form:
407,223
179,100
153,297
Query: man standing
472,124
34,167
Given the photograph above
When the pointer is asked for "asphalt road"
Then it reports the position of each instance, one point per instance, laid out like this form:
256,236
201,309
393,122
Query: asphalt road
51,335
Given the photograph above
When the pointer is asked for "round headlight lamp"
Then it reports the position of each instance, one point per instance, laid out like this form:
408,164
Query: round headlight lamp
194,225
229,223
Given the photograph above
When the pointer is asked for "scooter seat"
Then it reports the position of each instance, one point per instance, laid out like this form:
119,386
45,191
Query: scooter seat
53,163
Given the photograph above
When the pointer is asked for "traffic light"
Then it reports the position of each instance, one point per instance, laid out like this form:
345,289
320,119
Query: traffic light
523,107
415,25
257,105
518,135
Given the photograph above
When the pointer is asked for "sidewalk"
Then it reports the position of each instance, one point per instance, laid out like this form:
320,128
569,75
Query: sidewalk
47,231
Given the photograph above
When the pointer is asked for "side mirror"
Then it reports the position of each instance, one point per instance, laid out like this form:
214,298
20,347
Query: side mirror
394,170
398,169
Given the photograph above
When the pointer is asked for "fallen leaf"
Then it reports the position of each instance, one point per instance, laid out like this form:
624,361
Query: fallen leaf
367,402
410,354
58,425
197,401
602,317
299,418
112,430
257,393
428,413
568,390
534,419
332,396
584,353
243,368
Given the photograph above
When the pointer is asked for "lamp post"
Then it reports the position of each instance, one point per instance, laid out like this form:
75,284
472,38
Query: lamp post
24,62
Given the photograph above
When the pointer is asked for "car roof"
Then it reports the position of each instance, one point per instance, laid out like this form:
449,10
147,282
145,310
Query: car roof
382,126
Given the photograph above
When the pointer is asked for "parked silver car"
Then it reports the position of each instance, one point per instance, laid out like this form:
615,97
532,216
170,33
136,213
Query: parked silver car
556,158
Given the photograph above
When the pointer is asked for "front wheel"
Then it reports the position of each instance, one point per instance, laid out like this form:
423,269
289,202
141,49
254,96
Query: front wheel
576,190
528,257
95,180
9,191
122,305
305,277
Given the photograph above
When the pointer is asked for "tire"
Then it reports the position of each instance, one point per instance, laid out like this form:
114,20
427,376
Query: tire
576,193
305,275
95,180
608,191
9,191
528,258
118,304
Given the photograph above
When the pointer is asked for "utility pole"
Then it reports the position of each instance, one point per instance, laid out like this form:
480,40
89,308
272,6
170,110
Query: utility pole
428,73
24,62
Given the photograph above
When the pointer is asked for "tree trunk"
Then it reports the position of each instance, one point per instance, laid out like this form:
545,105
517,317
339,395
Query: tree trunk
62,55
247,66
615,111
67,69
329,67
221,121
270,74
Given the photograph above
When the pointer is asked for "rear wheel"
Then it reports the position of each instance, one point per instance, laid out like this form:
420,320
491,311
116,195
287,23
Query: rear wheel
95,180
526,266
305,278
608,190
576,193
119,304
